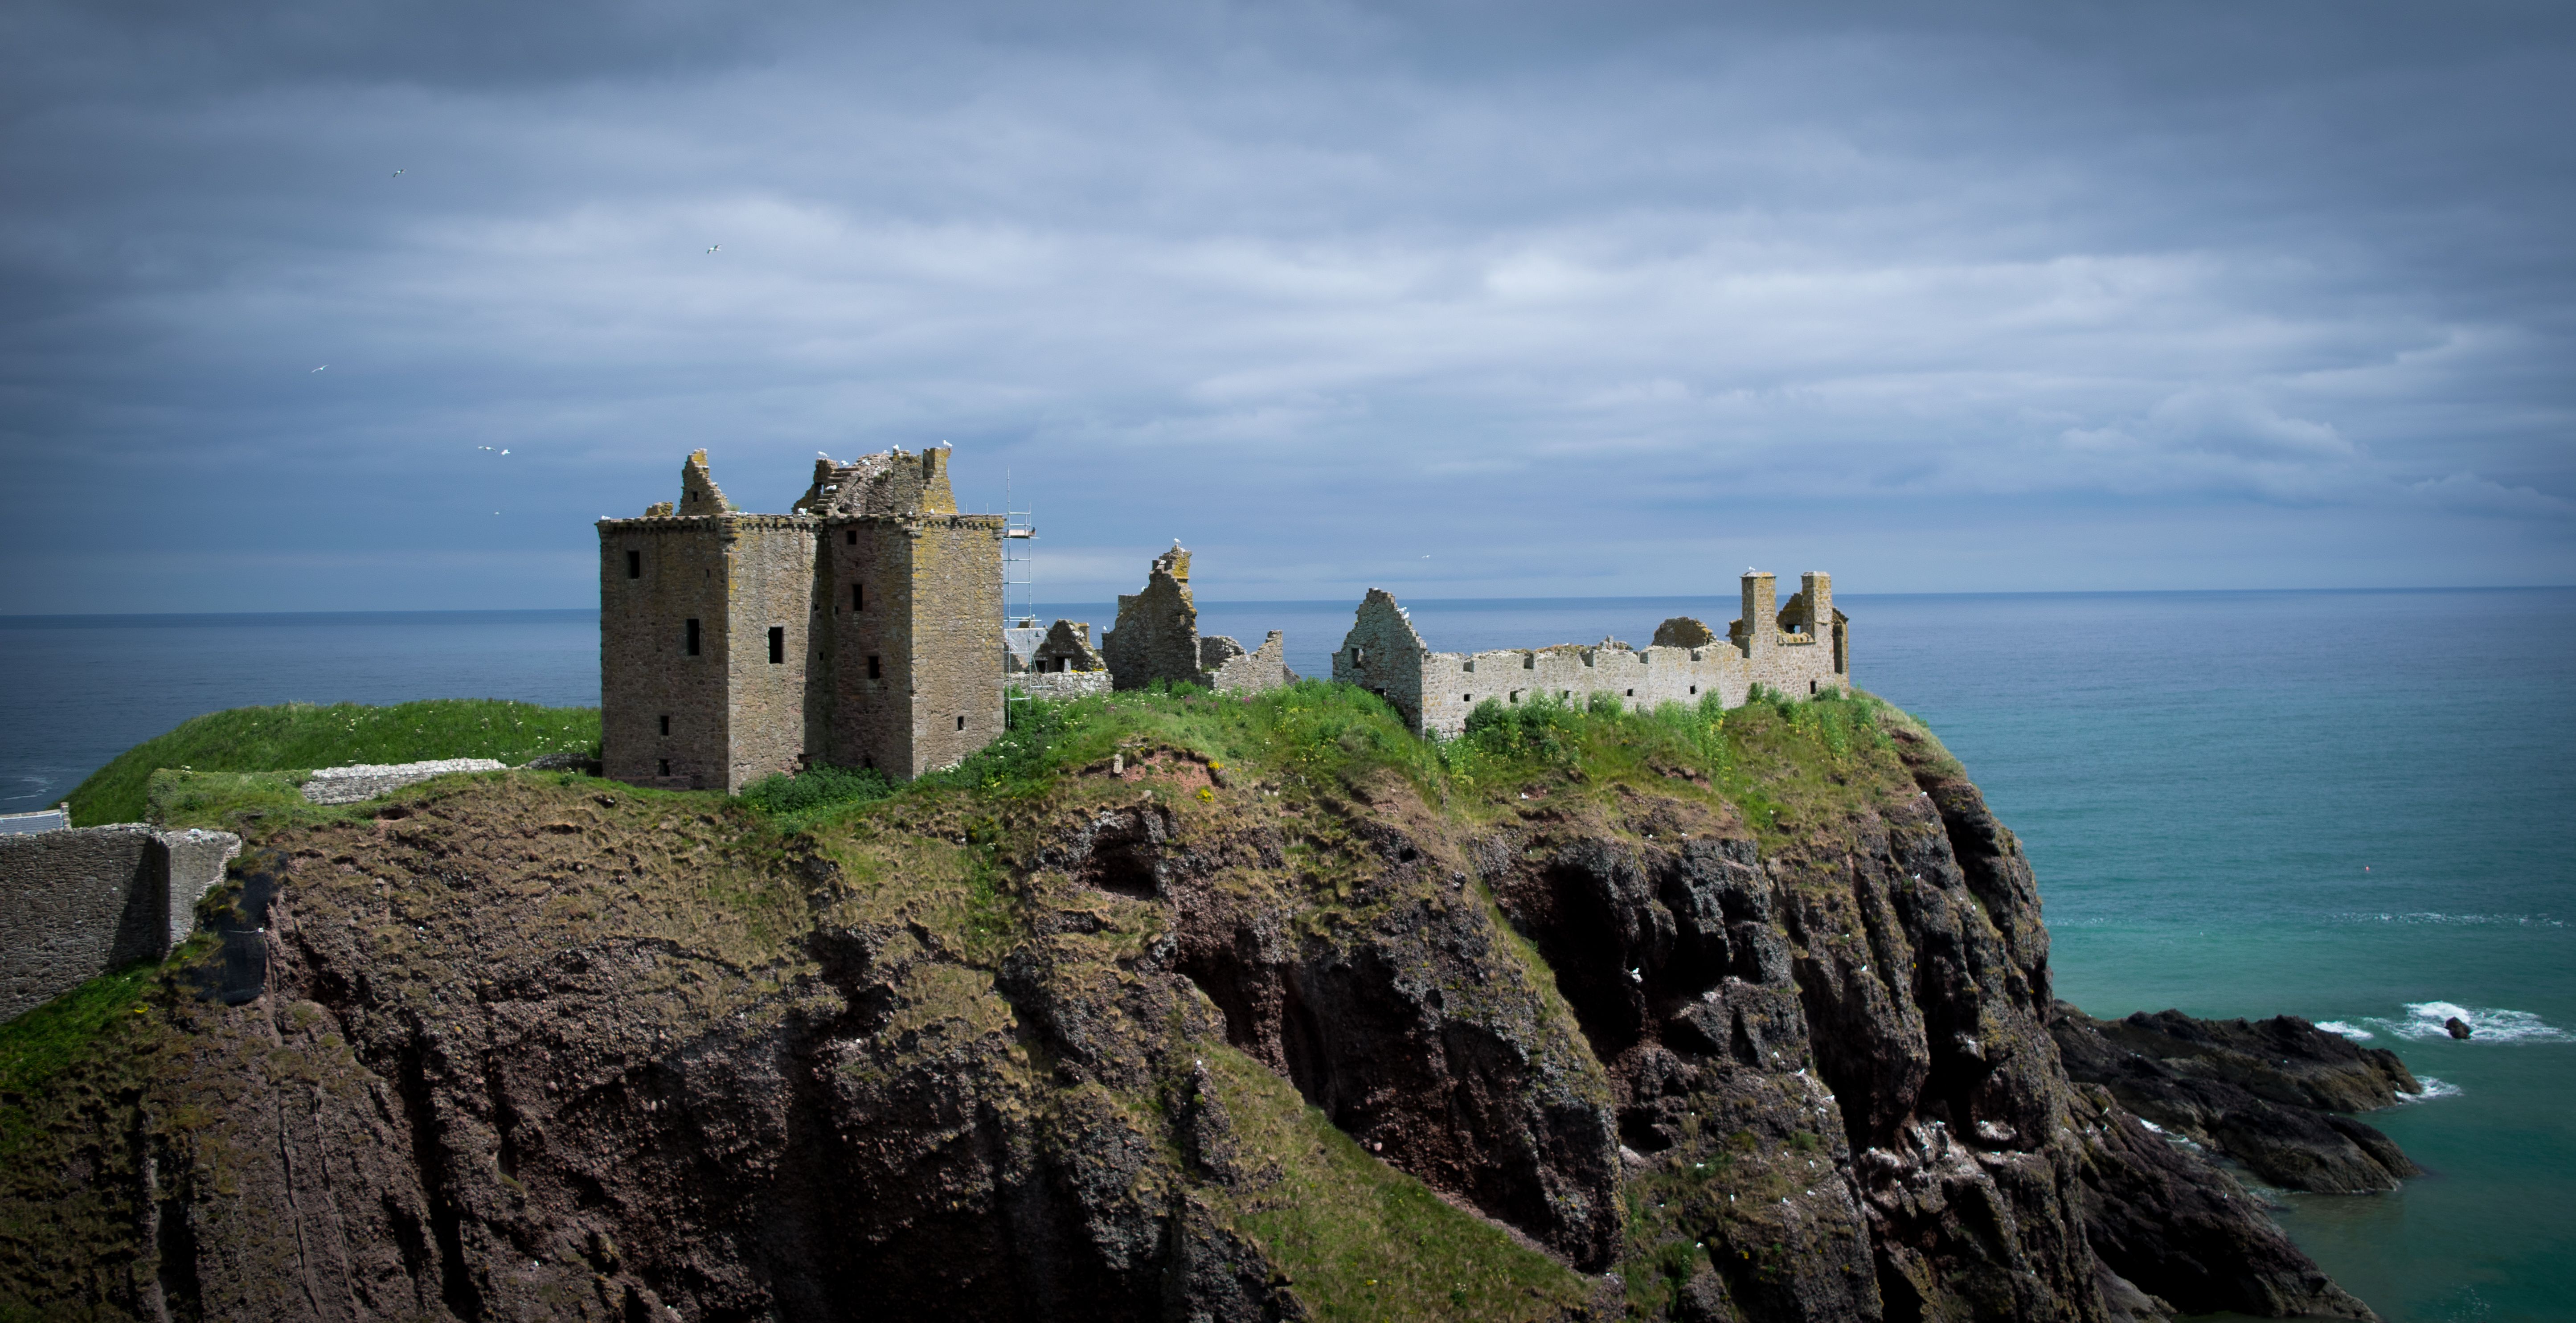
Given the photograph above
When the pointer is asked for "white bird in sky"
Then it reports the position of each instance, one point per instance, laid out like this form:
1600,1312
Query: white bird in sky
714,246
317,369
482,447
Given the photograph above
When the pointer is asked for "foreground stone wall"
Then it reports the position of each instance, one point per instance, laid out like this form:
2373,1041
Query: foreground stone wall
78,903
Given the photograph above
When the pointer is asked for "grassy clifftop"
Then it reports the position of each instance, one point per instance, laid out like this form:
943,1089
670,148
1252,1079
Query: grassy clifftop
301,736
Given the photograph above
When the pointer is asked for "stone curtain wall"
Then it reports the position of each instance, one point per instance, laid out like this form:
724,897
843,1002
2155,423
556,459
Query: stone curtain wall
645,673
1436,690
78,903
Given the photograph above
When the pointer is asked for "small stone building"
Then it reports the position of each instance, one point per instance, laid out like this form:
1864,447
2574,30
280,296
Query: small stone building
863,628
1062,664
1800,651
1157,638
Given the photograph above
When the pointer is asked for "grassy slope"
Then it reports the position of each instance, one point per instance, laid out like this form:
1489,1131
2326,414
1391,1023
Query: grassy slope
1360,1238
300,736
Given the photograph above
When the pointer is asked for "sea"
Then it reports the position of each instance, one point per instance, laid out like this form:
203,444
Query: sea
2357,807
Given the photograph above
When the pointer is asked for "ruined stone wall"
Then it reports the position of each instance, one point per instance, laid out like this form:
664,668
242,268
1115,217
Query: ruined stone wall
956,665
1157,635
679,572
81,902
1252,672
1061,684
770,567
1436,691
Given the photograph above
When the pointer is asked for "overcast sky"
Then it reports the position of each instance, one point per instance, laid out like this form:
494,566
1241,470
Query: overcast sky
1464,300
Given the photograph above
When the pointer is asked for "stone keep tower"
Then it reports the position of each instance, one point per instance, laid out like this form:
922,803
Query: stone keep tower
863,629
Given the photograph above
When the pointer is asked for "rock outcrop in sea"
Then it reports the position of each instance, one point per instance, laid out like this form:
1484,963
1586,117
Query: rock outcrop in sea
1766,1034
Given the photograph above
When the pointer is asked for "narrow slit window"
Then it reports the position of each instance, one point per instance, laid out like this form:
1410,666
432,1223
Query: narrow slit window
635,565
666,767
851,537
876,669
777,644
1811,686
1694,689
961,723
693,636
858,597
666,723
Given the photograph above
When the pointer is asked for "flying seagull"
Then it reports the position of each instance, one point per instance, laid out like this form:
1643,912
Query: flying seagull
317,369
714,246
398,174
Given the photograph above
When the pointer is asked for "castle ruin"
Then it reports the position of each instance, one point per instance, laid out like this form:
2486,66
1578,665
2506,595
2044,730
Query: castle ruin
862,629
1157,638
1800,650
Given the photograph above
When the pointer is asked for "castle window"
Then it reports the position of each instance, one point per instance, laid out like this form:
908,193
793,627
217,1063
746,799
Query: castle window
693,636
635,565
777,644
1811,686
961,723
875,670
666,723
1632,693
1359,656
1466,698
858,597
853,536
1516,695
666,767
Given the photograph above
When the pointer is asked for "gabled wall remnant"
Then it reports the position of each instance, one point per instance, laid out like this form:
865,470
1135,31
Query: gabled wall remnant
1157,638
1800,652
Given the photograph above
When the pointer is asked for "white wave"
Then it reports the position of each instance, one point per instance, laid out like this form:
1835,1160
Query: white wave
2433,1089
2352,1031
2434,916
2427,1021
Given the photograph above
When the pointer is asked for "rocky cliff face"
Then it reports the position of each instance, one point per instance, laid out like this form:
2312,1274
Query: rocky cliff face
1161,1039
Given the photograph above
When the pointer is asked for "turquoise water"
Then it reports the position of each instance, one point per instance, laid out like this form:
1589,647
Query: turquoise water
2338,805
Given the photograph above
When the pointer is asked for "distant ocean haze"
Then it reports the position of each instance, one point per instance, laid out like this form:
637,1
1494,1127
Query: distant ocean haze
2348,806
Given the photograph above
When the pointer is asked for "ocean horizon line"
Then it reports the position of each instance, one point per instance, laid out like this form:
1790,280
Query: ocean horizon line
319,617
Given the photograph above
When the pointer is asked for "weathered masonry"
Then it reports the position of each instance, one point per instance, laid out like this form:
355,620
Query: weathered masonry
1800,650
1157,638
76,903
862,629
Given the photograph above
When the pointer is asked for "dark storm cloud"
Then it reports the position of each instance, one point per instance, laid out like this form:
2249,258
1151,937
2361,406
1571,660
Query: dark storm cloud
1464,299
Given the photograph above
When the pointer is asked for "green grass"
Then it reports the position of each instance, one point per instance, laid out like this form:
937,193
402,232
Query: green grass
301,736
39,1045
1359,1239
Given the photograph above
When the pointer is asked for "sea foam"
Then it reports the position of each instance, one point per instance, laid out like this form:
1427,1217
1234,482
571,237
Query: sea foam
2433,1089
2352,1031
2430,1020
